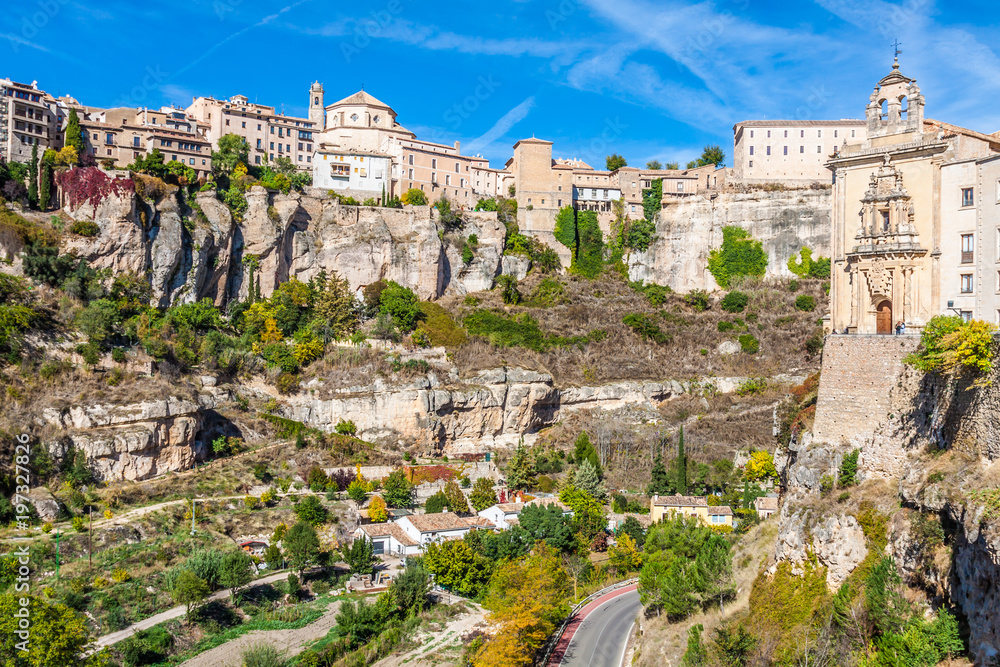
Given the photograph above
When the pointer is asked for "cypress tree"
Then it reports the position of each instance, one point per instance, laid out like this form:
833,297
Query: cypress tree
45,190
682,465
33,177
74,134
659,482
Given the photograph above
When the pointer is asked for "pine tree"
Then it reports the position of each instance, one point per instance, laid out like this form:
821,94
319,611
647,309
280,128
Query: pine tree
682,465
521,469
335,305
587,479
74,134
33,177
660,482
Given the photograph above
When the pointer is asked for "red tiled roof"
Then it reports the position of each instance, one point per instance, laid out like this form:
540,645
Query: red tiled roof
375,530
720,510
681,501
428,523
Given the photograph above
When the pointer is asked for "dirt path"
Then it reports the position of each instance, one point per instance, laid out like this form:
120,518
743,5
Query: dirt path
289,642
432,645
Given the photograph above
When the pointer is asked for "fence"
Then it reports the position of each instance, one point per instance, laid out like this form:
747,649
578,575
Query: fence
554,640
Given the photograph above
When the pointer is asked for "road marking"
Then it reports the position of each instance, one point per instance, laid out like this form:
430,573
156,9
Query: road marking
621,663
616,596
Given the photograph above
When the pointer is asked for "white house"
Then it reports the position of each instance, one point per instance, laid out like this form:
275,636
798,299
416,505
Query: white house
765,506
427,528
388,539
505,515
359,175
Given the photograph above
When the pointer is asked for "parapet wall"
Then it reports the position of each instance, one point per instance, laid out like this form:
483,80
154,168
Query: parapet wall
857,376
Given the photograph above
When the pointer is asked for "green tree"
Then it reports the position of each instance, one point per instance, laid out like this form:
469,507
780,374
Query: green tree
457,567
272,556
456,499
583,449
740,255
712,155
397,490
236,571
548,523
654,165
74,133
97,320
614,161
565,227
360,556
849,469
301,546
589,256
233,150
402,304
311,510
696,654
189,590
521,469
713,572
57,636
631,527
588,513
660,482
682,467
33,177
414,197
334,305
587,478
672,165
482,494
625,556
436,504
45,187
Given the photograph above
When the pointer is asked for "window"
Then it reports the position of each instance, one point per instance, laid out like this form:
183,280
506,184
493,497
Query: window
853,133
411,161
819,133
300,145
966,315
272,145
434,163
244,123
109,138
819,149
447,179
802,134
966,283
456,167
751,150
835,134
802,149
272,129
173,158
258,126
605,194
885,221
786,134
751,134
560,203
680,186
192,161
258,143
769,134
786,150
967,197
135,141
227,121
411,173
967,249
751,164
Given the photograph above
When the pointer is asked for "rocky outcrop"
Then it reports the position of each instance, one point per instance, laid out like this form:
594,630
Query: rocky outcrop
130,442
836,542
688,229
195,251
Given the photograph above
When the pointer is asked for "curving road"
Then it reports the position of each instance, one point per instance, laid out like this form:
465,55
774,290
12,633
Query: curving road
597,638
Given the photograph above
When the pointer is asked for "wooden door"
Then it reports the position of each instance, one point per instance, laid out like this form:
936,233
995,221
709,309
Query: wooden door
883,318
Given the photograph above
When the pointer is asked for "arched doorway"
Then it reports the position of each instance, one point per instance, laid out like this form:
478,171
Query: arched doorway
883,317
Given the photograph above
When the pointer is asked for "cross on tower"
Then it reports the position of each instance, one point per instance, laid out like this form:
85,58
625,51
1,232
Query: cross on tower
895,46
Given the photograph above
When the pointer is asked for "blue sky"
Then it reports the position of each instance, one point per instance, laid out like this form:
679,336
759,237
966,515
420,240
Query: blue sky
645,78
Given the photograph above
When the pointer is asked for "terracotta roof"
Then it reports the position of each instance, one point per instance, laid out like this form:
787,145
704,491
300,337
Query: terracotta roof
479,522
510,508
720,510
955,129
373,530
799,123
548,501
680,501
766,503
429,523
363,98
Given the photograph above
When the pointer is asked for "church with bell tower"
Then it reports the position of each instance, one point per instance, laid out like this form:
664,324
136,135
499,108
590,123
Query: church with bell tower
916,218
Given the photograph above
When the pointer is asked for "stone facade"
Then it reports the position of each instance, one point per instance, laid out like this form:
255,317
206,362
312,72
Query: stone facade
858,375
790,151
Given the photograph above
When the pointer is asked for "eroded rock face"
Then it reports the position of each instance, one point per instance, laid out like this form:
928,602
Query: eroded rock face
687,230
132,442
837,542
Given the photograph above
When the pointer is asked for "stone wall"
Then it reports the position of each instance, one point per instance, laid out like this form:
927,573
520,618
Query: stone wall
857,377
687,230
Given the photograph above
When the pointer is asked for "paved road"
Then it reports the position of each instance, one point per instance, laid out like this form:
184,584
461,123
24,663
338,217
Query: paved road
598,639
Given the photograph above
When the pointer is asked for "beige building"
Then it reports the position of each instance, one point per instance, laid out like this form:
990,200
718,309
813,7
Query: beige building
28,117
125,134
270,134
914,218
362,124
696,506
790,151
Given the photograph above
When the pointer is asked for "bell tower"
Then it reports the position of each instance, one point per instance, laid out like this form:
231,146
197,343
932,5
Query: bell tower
896,106
316,107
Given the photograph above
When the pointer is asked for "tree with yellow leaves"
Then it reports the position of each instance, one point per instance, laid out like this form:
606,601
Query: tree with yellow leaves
625,555
526,601
760,466
377,511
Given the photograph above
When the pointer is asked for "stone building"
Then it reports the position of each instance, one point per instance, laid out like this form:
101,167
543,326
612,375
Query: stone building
270,134
125,134
791,152
361,124
914,224
28,117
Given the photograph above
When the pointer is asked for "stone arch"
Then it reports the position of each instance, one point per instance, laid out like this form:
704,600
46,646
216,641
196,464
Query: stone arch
904,106
883,316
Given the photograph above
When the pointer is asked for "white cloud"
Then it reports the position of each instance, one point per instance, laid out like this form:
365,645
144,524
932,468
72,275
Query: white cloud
481,145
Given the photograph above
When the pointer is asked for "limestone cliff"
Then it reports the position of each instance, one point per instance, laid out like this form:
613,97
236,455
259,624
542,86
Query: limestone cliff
687,230
193,249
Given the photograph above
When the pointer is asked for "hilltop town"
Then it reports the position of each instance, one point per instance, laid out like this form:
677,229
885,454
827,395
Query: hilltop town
317,391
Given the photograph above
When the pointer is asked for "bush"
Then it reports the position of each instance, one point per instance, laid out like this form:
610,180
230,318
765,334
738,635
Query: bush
91,353
85,228
440,328
118,355
749,344
793,285
508,290
346,427
287,383
805,302
644,326
948,341
725,325
752,386
402,304
656,294
735,302
740,255
698,300
814,344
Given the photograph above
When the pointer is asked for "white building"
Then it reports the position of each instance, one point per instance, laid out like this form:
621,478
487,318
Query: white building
360,175
790,151
506,515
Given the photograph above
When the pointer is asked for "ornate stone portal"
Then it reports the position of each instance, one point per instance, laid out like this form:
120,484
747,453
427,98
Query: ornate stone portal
883,262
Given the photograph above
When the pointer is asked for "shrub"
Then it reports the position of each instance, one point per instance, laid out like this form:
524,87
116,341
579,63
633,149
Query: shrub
644,326
725,325
402,304
508,290
550,292
698,300
752,386
287,383
814,343
90,353
79,525
826,484
85,228
948,341
849,469
793,285
440,328
805,302
749,344
740,255
735,302
843,497
346,427
420,338
118,355
656,294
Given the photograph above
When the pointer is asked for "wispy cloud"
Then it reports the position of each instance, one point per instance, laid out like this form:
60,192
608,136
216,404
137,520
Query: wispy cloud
501,127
